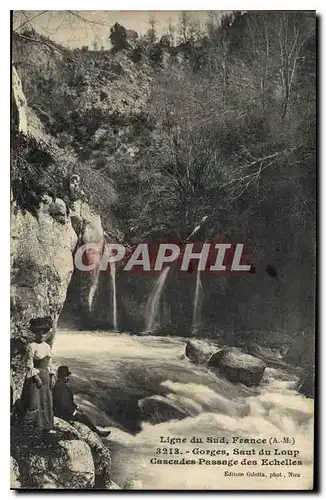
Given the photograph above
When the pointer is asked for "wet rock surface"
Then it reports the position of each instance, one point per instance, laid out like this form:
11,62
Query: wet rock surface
238,367
199,351
155,409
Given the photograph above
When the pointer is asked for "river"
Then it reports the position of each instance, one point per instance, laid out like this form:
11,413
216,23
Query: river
112,374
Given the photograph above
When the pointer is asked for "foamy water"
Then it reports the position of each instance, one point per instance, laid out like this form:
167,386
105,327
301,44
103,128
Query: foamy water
115,375
114,296
196,315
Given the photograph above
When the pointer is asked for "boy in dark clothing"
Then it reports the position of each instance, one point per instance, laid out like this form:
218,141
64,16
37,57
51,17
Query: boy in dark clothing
65,407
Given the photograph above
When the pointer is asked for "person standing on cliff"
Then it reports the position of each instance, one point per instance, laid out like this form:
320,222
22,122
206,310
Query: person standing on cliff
36,406
66,408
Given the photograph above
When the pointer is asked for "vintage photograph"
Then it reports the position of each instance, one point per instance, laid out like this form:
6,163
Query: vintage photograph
163,250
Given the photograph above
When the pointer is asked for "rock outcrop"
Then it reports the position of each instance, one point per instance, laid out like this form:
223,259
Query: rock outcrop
199,351
19,103
44,239
92,234
84,285
101,456
238,367
41,268
157,409
73,457
43,242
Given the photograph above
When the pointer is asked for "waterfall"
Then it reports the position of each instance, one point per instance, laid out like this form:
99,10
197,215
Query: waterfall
93,288
196,316
154,299
114,296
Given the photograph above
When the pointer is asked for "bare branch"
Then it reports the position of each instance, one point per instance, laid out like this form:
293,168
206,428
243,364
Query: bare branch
29,19
88,21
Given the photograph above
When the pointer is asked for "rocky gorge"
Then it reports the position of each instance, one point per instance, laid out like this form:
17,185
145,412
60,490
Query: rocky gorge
86,112
42,247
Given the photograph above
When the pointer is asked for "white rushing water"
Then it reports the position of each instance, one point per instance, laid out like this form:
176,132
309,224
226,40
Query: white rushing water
196,316
93,288
154,299
113,377
114,296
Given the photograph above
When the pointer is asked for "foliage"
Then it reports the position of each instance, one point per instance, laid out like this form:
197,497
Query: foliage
34,171
220,124
118,37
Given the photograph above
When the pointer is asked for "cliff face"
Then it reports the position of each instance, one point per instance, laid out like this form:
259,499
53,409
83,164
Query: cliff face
19,102
43,241
42,265
42,245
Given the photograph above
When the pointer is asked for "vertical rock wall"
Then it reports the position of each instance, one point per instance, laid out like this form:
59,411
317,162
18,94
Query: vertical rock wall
42,252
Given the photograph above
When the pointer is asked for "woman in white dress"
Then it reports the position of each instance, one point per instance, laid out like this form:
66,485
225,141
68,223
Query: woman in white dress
36,399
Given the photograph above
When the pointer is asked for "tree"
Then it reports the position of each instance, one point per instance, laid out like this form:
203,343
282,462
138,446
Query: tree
274,50
171,32
118,37
151,35
293,32
165,41
184,27
179,168
189,29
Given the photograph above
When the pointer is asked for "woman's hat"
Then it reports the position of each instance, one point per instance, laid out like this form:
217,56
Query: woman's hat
38,325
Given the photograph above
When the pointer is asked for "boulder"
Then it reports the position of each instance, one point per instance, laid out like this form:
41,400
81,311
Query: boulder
199,351
238,367
55,463
156,409
65,430
101,456
72,465
71,457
